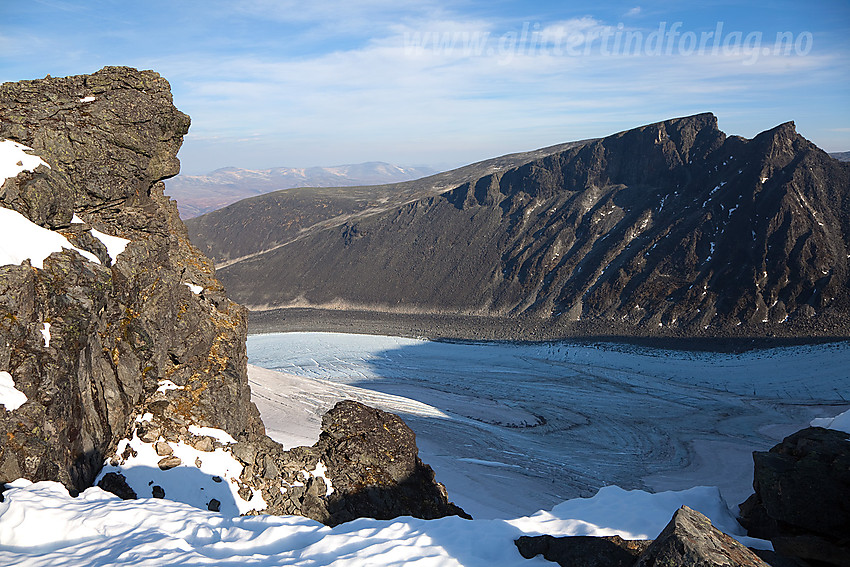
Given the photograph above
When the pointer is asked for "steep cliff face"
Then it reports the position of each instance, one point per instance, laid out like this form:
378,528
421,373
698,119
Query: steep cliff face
121,341
672,228
117,328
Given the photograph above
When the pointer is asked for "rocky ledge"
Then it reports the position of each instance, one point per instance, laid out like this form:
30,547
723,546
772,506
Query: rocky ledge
119,345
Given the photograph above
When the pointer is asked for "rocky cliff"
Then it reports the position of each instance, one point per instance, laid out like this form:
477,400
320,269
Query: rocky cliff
670,229
118,343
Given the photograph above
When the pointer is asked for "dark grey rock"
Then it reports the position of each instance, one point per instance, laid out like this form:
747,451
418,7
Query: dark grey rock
114,328
117,484
802,496
689,540
157,491
373,463
214,505
583,551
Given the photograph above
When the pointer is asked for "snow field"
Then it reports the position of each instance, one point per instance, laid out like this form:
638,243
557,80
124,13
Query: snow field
41,525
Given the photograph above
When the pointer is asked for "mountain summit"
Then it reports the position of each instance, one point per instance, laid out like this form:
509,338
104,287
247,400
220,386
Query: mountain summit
673,228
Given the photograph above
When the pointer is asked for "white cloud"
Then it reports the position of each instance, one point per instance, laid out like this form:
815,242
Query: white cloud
324,82
444,98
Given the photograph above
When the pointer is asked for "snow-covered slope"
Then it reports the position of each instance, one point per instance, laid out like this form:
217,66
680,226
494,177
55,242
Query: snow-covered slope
40,525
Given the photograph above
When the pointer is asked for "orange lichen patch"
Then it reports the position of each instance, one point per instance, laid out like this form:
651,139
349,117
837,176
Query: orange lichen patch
190,396
123,324
217,358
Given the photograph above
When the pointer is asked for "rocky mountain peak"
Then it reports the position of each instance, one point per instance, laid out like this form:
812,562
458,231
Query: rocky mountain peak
108,137
118,345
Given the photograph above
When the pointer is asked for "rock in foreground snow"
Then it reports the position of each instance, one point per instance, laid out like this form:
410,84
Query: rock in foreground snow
802,496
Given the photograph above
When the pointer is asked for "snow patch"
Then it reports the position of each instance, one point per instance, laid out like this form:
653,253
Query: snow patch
166,385
321,471
633,514
45,333
114,244
200,477
840,422
219,435
22,239
14,159
88,99
196,289
10,397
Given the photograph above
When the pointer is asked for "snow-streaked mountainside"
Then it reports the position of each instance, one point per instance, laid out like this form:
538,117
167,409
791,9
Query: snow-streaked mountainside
200,194
41,525
513,428
670,229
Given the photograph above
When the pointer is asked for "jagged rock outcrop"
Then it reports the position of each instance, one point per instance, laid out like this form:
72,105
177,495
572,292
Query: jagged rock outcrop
802,497
670,229
376,469
365,464
689,540
134,355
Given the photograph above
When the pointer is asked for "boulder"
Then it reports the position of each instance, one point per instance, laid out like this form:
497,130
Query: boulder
365,464
583,551
373,462
802,497
116,483
689,540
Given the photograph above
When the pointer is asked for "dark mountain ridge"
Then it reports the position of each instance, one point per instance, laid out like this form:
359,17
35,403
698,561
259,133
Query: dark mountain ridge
669,229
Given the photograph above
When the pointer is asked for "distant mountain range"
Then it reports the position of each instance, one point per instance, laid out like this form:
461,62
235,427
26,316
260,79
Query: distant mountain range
669,229
199,194
841,156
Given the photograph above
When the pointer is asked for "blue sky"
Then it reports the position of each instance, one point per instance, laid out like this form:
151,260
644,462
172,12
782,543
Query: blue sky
281,83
